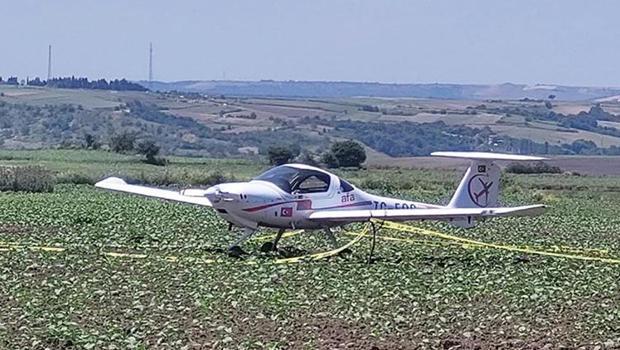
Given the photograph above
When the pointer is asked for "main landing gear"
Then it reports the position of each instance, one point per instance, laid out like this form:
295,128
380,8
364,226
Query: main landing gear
235,250
272,246
332,240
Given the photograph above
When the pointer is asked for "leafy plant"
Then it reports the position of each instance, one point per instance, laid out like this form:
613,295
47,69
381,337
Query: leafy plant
29,178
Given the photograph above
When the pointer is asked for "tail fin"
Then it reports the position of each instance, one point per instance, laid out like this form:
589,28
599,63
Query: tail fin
479,188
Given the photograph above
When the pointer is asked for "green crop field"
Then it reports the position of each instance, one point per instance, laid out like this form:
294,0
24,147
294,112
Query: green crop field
61,288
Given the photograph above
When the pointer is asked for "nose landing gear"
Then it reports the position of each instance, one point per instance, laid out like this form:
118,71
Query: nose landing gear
234,250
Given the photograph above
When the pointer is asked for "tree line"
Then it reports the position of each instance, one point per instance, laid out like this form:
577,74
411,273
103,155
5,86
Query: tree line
79,83
345,154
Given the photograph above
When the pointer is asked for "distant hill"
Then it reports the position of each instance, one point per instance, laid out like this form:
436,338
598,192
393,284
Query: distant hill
186,123
305,89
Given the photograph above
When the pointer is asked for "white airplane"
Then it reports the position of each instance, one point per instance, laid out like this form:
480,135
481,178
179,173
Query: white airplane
297,196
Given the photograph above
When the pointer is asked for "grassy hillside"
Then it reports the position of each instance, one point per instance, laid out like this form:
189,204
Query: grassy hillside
91,166
193,124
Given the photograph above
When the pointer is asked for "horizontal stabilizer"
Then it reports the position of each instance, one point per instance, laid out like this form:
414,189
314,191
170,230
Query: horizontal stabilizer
486,156
116,184
425,214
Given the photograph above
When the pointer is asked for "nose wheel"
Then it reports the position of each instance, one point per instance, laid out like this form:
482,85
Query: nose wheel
235,251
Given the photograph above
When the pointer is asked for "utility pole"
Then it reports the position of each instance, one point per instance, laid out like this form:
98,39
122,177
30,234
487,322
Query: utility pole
150,65
49,62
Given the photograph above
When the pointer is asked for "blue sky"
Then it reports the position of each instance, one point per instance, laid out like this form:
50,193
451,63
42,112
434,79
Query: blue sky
526,41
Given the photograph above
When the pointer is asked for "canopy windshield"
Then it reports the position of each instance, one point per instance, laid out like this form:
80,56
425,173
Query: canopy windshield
295,180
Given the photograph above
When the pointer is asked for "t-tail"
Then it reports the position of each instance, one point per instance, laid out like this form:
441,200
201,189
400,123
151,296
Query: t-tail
480,186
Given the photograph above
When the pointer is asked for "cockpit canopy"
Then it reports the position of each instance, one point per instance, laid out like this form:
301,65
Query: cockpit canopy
297,180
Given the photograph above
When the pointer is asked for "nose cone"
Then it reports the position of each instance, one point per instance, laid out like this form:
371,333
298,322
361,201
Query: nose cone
228,192
236,192
213,193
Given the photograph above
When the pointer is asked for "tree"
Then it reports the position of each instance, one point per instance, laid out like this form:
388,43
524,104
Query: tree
90,141
123,142
329,160
348,153
150,150
279,155
583,146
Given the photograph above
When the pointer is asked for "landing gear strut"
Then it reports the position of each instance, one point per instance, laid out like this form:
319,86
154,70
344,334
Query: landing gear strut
330,237
272,246
332,240
374,241
234,249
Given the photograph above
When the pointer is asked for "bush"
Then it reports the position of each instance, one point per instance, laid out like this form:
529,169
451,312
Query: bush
156,161
211,179
532,168
279,155
75,178
348,153
90,142
150,150
329,160
30,178
121,143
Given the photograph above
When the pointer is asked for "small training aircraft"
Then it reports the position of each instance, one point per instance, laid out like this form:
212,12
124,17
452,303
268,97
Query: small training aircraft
298,196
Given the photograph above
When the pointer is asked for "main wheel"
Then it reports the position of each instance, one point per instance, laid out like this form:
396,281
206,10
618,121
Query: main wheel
236,252
267,247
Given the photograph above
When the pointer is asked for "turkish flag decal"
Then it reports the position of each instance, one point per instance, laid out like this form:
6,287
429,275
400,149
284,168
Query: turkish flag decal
287,211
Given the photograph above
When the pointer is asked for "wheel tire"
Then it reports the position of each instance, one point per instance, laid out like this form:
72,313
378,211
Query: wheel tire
345,252
267,247
236,252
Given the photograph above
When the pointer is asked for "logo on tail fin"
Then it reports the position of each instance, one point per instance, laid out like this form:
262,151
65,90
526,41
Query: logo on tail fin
478,189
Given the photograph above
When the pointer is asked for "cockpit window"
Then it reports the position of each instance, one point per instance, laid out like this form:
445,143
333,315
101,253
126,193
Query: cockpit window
312,184
345,186
294,180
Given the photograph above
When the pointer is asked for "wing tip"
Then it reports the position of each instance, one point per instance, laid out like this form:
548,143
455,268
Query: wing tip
110,181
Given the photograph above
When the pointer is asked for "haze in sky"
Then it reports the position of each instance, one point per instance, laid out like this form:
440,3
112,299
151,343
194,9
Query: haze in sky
488,41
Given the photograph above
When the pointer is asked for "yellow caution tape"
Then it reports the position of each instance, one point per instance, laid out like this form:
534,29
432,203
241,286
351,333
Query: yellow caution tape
323,255
432,243
466,241
273,235
425,242
6,246
555,250
124,255
14,246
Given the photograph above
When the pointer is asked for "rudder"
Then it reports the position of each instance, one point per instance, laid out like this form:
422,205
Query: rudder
479,188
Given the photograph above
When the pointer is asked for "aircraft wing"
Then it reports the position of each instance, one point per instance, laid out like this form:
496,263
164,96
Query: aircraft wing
116,184
424,214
